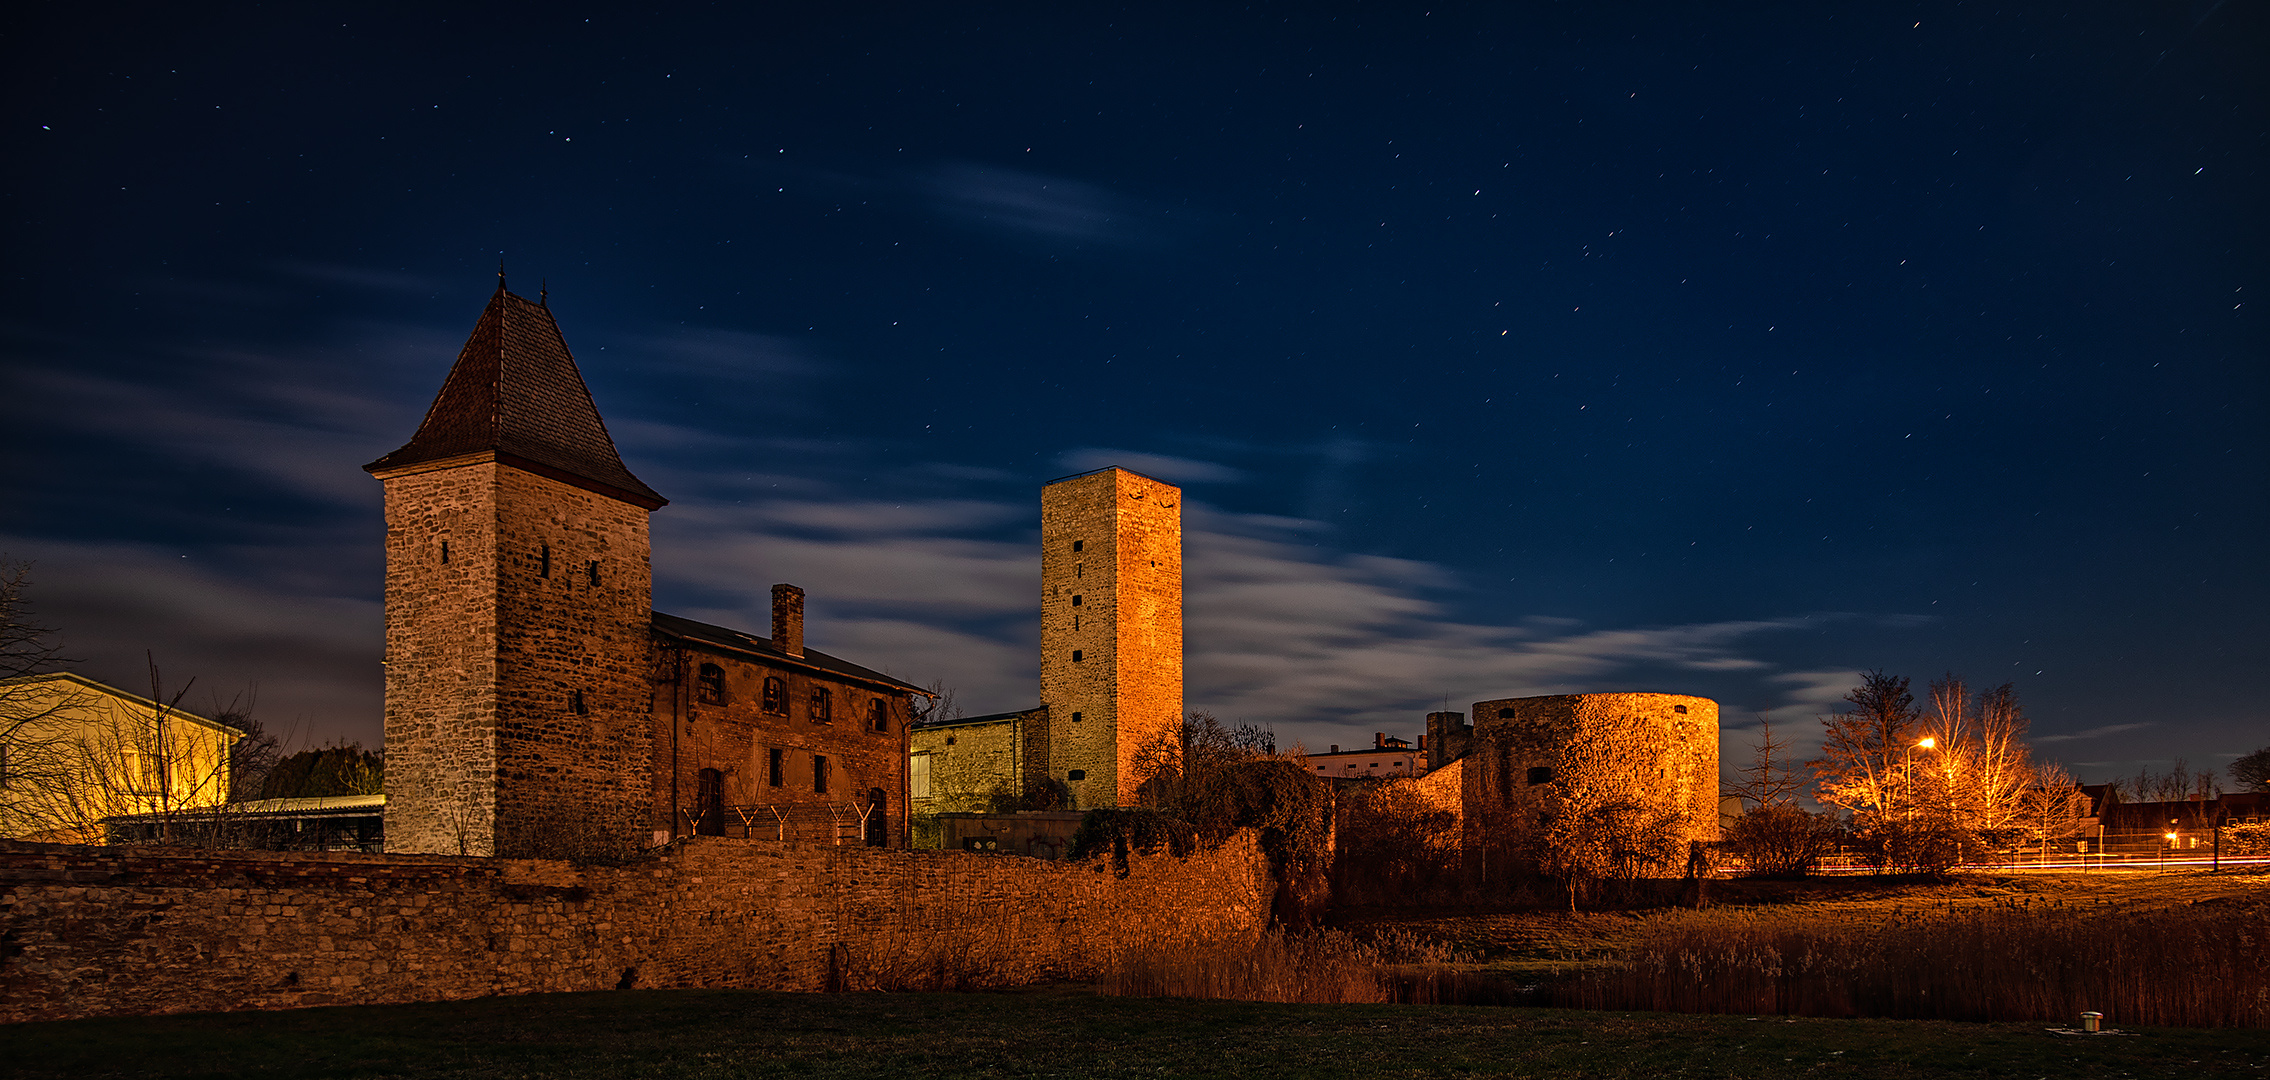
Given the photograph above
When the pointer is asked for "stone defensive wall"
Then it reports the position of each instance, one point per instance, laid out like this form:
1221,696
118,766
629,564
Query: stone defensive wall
92,931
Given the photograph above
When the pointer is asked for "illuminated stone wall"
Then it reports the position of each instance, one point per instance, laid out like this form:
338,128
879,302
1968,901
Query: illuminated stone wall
135,931
1660,750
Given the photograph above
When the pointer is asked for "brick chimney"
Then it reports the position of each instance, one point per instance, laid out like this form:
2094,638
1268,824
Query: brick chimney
788,619
1379,740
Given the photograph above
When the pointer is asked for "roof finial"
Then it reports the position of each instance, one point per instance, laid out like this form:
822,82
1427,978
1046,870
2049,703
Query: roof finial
543,292
500,273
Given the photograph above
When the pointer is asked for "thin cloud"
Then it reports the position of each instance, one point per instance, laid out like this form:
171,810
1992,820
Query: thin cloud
1034,204
2092,733
1174,470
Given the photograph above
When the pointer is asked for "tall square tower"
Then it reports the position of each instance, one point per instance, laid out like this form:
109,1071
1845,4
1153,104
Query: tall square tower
1110,629
518,610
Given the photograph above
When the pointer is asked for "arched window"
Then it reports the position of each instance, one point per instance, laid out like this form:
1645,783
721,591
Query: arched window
879,715
776,696
709,803
709,685
823,705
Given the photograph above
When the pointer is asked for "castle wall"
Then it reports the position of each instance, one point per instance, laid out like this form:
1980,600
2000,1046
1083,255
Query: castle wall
111,932
1111,627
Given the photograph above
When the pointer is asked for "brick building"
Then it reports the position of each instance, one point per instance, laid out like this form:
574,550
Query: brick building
536,703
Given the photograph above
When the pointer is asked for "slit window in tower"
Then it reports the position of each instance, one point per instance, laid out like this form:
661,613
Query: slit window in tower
544,561
591,570
776,772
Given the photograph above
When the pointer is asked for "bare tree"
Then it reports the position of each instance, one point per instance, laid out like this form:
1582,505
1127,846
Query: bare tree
36,752
2252,772
2052,806
1979,762
1866,761
1769,780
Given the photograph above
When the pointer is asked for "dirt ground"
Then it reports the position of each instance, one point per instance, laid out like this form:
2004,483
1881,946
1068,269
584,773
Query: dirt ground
1533,941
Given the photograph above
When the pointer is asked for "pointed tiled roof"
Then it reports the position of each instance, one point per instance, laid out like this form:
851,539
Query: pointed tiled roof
515,394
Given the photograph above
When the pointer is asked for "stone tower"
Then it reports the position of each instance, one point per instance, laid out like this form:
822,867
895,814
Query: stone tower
1111,627
518,610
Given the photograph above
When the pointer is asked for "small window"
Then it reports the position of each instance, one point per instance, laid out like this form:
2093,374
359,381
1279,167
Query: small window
1505,713
1075,600
591,571
576,705
1680,709
1373,765
445,551
776,696
823,705
1076,774
1077,544
1320,768
544,562
3,768
709,685
918,776
1542,774
1075,716
949,740
777,774
819,774
879,715
1075,656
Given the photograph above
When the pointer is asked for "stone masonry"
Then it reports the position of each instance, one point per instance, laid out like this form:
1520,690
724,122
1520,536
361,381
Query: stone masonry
1661,750
137,931
516,663
1111,627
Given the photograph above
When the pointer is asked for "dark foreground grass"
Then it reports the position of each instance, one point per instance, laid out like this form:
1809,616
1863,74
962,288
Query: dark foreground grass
688,1033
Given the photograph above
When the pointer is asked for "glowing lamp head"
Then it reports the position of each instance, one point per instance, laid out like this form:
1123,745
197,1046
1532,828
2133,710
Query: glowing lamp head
1930,742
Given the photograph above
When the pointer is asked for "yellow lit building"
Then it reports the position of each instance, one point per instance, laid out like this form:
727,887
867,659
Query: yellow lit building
74,751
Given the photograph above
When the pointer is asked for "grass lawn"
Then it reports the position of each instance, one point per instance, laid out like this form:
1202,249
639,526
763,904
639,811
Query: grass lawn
1074,1033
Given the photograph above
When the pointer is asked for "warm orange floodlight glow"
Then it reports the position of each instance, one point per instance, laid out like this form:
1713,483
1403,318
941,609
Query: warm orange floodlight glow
1930,742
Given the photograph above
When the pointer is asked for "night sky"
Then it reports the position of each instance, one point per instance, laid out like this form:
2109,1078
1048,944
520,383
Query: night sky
1717,349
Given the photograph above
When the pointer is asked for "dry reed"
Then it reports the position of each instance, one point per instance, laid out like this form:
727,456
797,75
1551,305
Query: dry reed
1317,967
2201,965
